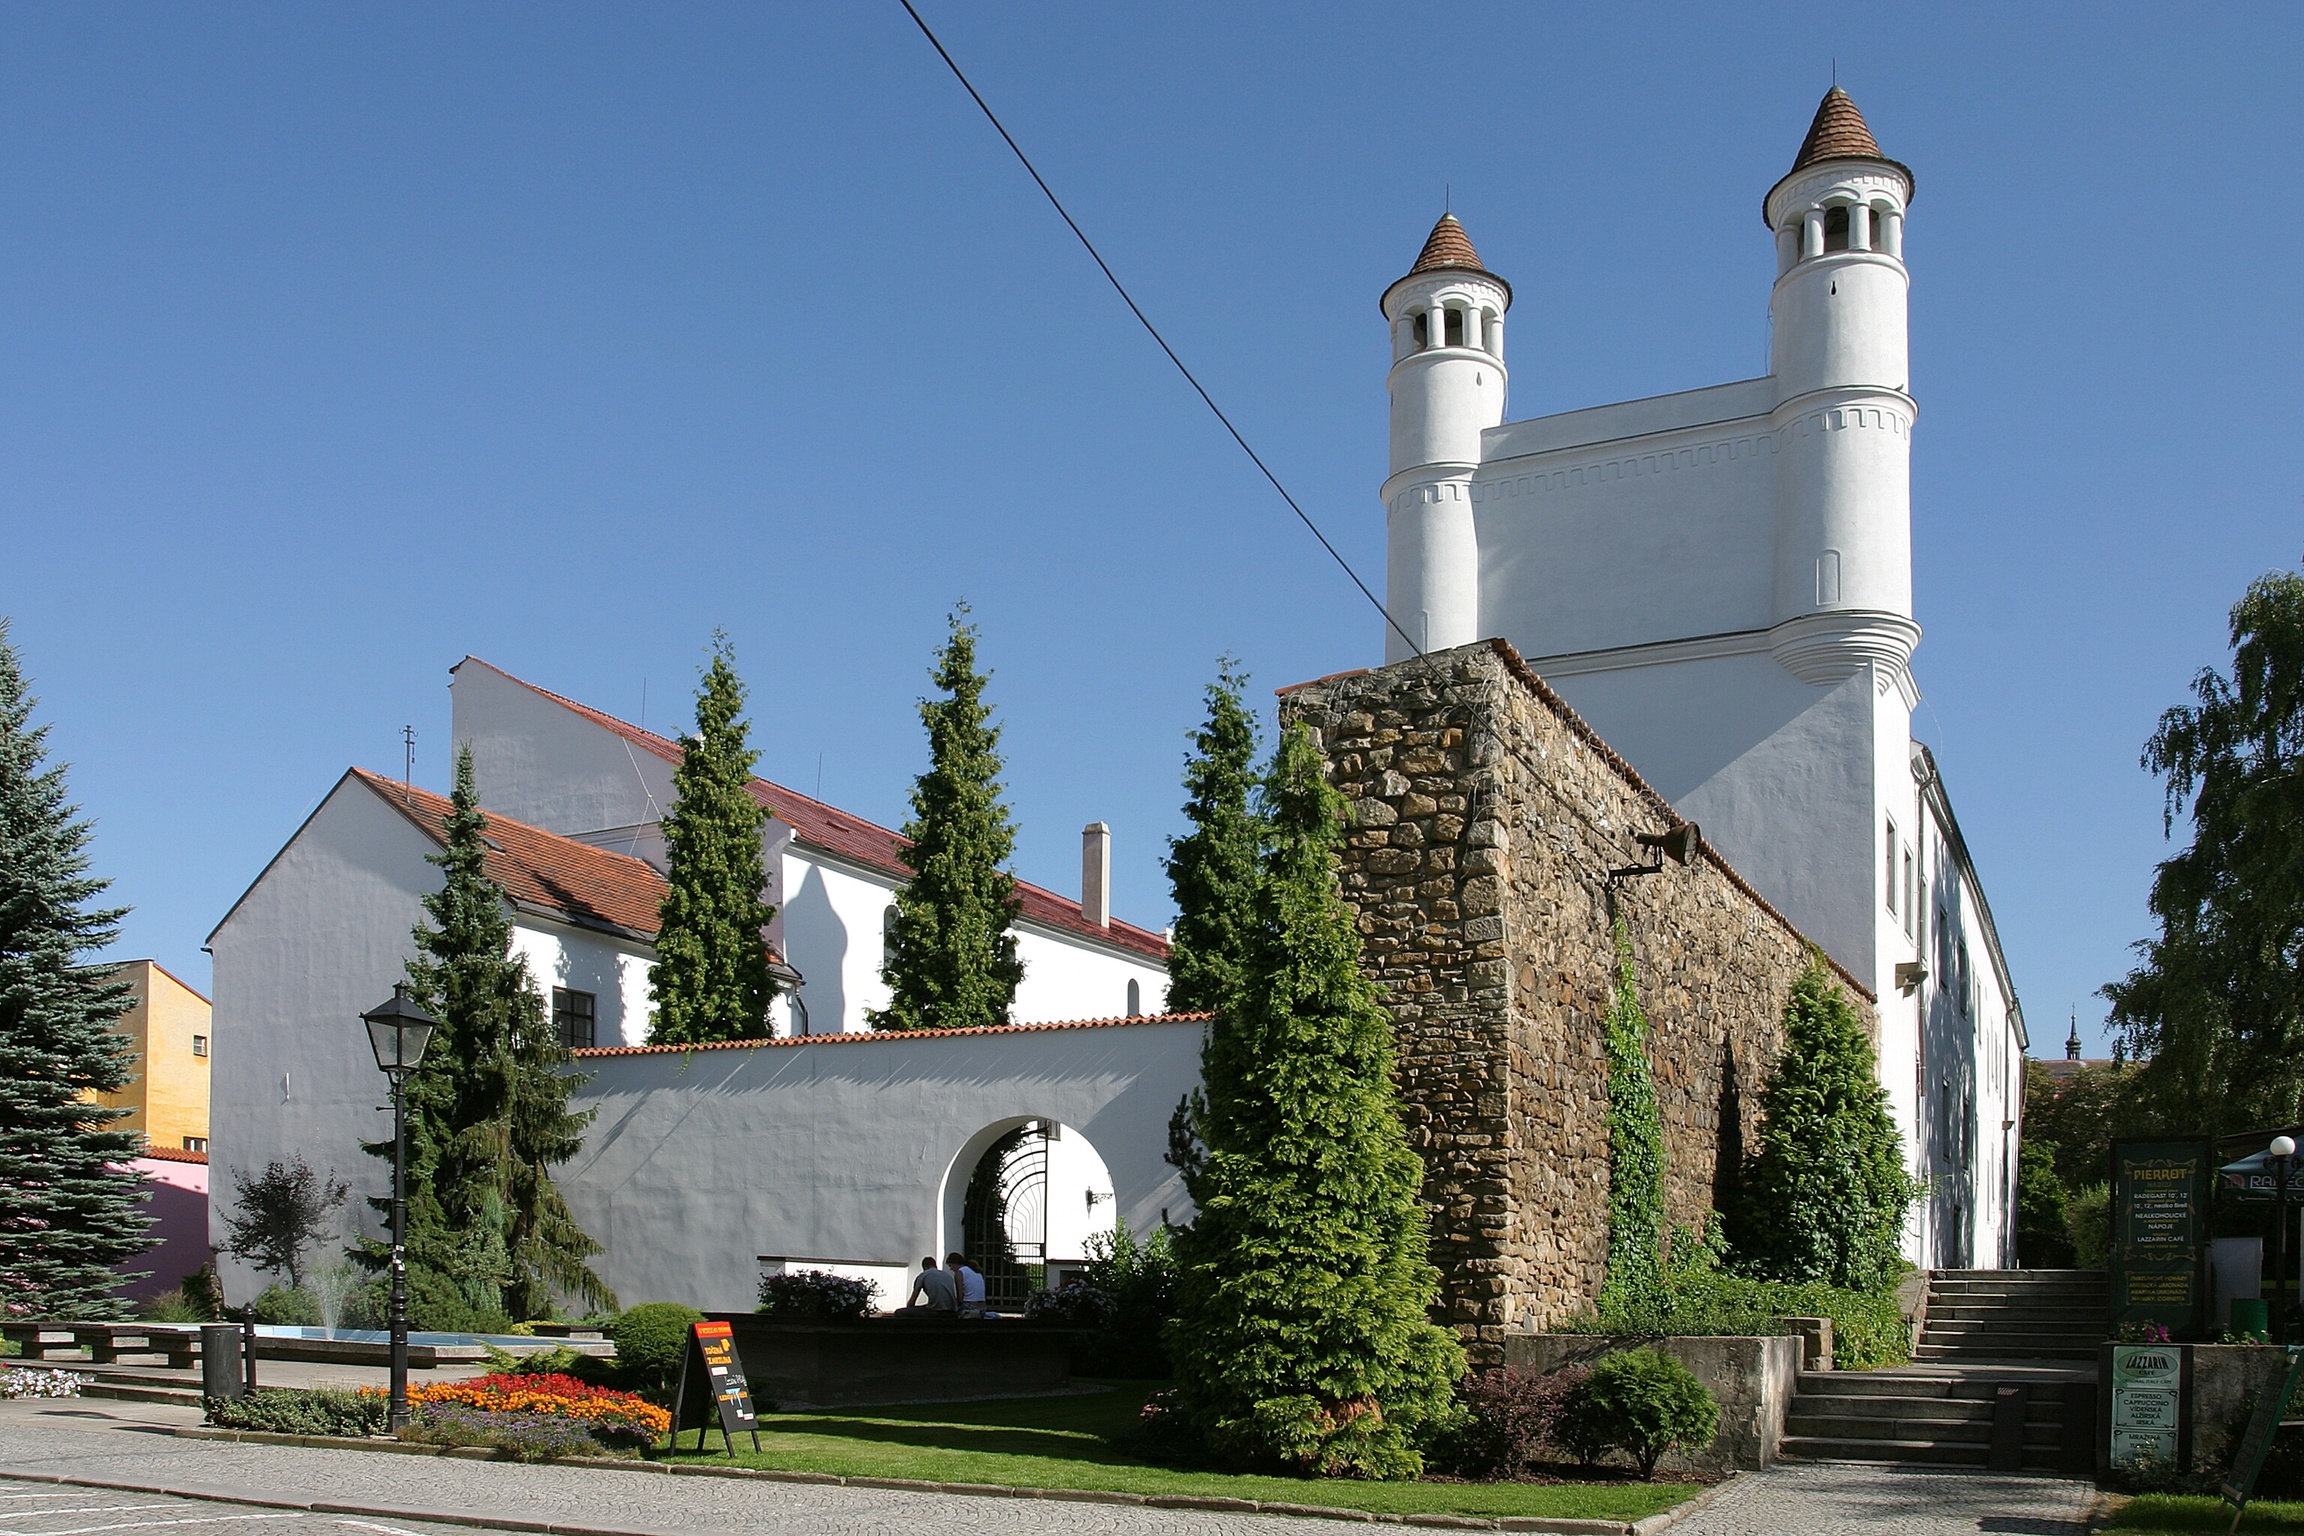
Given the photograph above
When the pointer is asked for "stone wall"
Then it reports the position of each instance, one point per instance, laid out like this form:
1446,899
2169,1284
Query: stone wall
1486,818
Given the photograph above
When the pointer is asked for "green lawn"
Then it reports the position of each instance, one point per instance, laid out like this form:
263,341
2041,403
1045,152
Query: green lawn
1059,1442
2154,1513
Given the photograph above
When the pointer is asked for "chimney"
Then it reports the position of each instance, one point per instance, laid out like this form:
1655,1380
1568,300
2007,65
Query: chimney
1096,874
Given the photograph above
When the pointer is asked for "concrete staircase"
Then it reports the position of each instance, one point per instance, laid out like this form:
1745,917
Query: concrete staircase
1993,1315
2003,1378
1943,1419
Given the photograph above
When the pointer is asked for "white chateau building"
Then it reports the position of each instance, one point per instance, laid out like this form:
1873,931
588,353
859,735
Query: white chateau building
1720,581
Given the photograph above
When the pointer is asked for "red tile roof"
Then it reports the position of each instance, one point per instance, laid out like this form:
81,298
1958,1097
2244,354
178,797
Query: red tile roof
858,1037
863,842
1838,132
1447,247
173,1155
542,870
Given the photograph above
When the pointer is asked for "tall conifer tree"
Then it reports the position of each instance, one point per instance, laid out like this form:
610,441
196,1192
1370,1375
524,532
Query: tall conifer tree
1212,868
710,980
1301,1336
69,1208
1825,1193
952,949
489,1234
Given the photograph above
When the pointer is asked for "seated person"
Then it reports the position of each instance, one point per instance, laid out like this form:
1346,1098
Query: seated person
933,1293
971,1285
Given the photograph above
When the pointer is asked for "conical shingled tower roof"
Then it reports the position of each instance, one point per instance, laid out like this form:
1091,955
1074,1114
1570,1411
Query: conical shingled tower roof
1838,132
1449,249
1447,246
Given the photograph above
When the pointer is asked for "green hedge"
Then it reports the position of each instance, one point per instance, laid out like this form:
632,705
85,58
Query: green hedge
1868,1328
283,1411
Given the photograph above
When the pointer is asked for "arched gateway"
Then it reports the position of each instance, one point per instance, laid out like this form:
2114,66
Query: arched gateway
855,1153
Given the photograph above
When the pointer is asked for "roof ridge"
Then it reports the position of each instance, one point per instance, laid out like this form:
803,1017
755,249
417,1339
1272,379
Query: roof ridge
1126,934
861,1036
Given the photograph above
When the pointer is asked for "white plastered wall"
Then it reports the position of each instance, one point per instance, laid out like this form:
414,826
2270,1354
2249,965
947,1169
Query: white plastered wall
851,1153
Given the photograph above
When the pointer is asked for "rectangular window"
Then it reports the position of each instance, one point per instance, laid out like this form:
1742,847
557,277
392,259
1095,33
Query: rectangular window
1892,876
572,1018
1911,891
199,1045
195,1143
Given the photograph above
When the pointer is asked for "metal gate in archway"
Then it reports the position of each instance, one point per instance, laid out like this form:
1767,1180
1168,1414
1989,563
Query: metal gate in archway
1004,1217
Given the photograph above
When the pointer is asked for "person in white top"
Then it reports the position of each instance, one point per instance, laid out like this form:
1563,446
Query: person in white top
971,1285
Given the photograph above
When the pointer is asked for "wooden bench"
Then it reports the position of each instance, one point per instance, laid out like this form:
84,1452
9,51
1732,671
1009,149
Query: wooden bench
107,1342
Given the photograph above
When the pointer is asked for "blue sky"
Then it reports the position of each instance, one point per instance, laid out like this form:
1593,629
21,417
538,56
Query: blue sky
338,342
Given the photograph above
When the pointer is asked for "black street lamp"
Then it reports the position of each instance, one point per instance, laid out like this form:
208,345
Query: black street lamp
399,1030
2282,1156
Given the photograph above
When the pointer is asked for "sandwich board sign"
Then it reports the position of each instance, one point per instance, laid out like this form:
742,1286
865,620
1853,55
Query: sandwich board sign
711,1377
2147,1402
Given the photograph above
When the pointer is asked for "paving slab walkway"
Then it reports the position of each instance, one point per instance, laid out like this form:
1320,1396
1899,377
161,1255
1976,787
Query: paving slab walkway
132,1443
1847,1498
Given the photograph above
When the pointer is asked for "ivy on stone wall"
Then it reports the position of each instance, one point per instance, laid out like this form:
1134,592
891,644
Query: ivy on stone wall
1635,1148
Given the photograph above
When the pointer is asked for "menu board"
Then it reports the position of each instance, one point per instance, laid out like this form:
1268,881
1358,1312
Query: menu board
2147,1401
712,1378
2159,1233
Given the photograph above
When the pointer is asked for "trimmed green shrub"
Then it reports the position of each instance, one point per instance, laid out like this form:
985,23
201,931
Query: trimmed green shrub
650,1341
284,1411
1825,1194
288,1306
1127,1296
1641,1402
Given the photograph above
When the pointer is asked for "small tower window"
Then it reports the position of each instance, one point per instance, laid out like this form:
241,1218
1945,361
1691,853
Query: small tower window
1423,332
1836,229
1455,331
1135,999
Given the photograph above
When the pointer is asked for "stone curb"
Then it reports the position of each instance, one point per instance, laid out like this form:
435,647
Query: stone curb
1533,1523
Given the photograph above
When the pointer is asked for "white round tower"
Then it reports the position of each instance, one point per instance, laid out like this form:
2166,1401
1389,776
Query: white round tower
1447,385
1844,411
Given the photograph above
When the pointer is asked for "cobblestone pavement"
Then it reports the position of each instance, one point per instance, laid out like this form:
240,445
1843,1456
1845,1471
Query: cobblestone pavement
1828,1499
104,1445
33,1509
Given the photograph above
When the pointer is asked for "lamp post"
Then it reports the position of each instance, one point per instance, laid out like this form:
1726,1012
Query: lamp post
2282,1153
399,1030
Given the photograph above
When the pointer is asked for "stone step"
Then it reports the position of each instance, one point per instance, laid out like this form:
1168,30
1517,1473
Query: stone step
2094,1276
1958,1288
1964,1355
2020,1317
1945,1410
1928,1452
1842,1426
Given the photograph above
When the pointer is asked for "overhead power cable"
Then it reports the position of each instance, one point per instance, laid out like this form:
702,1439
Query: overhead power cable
1146,321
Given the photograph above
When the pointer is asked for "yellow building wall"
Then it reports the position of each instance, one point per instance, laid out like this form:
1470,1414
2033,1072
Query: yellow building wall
168,1028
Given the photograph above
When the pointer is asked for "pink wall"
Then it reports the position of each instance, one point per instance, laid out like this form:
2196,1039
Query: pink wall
179,1234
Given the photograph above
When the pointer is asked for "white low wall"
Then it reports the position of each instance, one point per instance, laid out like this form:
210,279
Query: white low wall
853,1150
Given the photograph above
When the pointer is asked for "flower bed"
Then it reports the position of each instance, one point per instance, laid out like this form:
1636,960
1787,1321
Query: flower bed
22,1381
531,1417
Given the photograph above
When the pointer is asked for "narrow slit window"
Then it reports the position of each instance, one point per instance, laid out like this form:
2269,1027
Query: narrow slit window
1892,875
575,1018
1135,999
1455,328
1423,332
1836,229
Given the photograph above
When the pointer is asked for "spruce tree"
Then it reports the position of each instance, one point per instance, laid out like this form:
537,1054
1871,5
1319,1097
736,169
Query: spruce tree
1212,868
69,1207
952,950
489,1234
1825,1192
1301,1337
1635,1150
710,980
